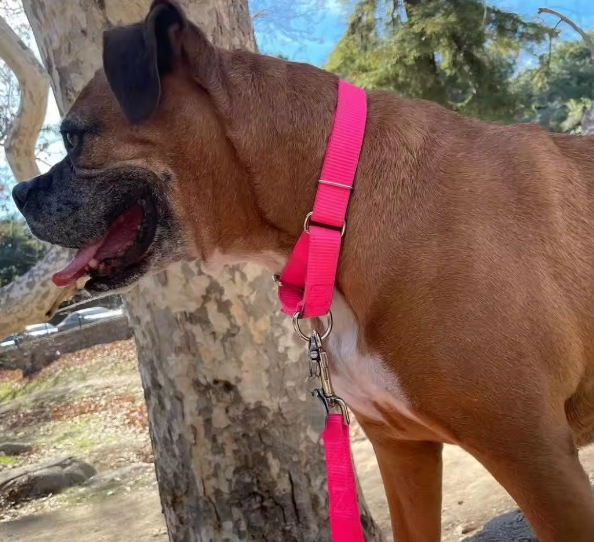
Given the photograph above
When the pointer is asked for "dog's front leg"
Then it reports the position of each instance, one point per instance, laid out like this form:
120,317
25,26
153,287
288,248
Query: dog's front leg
411,472
542,472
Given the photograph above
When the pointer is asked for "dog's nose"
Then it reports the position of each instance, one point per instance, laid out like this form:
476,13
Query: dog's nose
19,194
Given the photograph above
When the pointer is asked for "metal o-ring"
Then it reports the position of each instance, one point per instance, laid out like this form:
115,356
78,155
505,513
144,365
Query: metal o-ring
297,328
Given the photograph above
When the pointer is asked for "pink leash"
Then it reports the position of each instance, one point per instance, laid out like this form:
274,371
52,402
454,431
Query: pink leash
306,287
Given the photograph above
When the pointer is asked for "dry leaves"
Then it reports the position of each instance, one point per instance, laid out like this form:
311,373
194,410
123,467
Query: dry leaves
124,408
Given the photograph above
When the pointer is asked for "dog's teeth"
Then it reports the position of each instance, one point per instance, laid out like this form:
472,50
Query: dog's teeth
93,264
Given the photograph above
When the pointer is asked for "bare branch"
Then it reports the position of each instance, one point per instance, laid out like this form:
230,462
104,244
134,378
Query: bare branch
32,297
34,87
587,39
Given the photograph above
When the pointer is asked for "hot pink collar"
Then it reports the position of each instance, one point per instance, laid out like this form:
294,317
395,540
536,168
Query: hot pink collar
306,287
306,284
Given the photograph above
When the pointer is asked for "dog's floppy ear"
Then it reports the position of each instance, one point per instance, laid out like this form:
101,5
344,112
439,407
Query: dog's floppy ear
135,57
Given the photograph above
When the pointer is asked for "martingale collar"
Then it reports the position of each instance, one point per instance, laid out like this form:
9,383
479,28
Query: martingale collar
306,284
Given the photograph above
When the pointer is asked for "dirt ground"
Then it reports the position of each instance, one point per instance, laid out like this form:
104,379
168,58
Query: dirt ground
101,419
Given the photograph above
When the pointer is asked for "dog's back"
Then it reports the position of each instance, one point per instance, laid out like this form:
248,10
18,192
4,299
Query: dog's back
486,238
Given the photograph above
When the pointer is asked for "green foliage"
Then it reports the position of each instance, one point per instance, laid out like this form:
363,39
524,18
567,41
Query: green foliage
460,53
558,91
19,251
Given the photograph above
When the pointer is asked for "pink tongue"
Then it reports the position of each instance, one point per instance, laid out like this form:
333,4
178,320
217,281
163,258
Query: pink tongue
77,267
120,235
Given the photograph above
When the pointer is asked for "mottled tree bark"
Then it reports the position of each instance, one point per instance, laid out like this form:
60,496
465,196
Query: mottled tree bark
32,297
222,372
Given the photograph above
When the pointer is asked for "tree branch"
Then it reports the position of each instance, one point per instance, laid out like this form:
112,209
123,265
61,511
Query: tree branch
587,39
33,297
34,87
588,116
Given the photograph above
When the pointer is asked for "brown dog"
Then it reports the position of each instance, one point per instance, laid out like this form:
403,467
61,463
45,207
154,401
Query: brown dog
464,310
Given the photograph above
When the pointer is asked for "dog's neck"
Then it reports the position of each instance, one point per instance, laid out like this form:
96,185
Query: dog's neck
282,132
268,144
268,149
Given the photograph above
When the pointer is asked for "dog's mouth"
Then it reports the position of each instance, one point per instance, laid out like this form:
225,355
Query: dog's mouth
118,254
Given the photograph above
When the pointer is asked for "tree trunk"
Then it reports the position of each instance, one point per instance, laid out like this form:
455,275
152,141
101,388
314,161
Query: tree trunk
588,121
222,372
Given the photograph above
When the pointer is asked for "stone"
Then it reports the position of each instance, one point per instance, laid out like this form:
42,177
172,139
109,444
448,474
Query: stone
14,448
509,527
465,528
35,481
76,475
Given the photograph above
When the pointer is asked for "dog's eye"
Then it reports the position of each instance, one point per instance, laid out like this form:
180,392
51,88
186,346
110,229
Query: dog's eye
71,140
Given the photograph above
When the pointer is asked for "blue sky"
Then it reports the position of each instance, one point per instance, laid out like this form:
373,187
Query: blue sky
317,33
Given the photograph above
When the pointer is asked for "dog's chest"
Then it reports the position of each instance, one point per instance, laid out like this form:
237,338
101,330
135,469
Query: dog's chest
361,379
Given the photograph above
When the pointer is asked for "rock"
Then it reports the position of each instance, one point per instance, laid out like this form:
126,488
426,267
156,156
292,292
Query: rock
510,527
38,484
35,481
465,528
14,448
79,473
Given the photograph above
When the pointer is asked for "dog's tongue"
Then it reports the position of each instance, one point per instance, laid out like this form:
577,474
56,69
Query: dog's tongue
77,267
118,238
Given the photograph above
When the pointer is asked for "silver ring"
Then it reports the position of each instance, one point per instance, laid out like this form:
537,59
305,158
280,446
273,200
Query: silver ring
297,328
308,220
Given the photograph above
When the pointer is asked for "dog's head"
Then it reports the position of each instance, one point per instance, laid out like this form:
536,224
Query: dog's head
111,197
171,149
140,133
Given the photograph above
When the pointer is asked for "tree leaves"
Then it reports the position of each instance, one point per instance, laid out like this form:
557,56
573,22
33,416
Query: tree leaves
459,53
558,91
19,251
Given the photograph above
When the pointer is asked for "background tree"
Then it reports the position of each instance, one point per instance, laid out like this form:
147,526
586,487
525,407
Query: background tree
459,53
222,373
19,252
559,91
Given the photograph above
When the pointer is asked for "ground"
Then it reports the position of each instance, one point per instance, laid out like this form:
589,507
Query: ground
90,405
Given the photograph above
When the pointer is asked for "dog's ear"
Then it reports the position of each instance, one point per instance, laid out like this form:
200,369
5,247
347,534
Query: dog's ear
136,57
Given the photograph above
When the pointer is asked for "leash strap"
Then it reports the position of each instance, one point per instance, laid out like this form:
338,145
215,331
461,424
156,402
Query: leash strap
307,281
345,523
306,287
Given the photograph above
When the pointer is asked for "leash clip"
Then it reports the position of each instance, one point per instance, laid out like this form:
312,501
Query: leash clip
330,403
319,368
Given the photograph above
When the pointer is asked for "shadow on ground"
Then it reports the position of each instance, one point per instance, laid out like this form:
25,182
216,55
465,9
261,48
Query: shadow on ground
510,527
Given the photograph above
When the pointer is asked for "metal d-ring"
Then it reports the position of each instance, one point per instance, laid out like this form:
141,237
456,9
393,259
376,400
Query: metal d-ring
307,221
298,316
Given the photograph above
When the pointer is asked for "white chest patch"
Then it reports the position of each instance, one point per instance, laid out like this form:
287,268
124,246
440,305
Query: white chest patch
360,379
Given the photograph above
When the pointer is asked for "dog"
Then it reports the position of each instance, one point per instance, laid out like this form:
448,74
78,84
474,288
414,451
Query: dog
464,303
